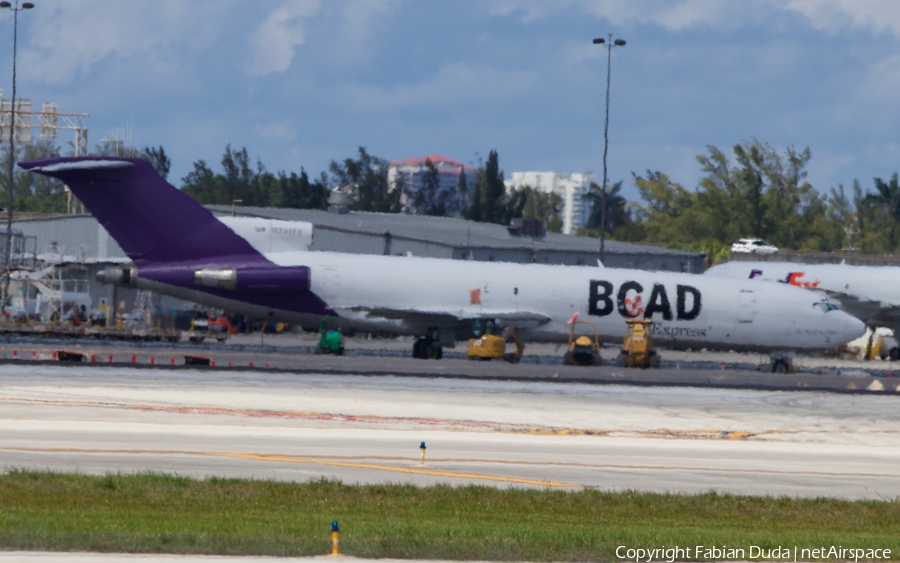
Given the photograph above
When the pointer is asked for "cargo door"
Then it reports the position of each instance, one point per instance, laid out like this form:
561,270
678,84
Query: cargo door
329,284
746,306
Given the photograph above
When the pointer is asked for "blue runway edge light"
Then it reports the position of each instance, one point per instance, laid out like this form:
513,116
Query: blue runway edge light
334,526
422,446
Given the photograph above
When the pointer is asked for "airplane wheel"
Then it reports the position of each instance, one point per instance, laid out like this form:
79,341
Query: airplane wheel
420,349
622,360
434,352
568,359
780,366
894,354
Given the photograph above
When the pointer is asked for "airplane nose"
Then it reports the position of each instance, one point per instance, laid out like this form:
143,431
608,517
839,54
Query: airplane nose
853,327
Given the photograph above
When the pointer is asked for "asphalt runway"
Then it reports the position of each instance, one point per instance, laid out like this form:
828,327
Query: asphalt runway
496,432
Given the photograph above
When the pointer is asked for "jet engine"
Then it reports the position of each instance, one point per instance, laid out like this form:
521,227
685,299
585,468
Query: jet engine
123,276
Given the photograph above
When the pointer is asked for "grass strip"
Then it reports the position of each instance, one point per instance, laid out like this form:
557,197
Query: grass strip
158,513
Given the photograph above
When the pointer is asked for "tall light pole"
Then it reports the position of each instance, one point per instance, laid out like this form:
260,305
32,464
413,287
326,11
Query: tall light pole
610,43
12,149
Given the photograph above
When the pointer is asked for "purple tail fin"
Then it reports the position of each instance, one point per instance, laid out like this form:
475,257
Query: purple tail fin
151,219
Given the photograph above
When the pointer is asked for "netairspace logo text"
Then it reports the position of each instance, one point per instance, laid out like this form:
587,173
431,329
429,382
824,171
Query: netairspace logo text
750,553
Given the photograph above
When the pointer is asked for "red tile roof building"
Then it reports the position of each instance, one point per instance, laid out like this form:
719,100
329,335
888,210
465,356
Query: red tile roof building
413,170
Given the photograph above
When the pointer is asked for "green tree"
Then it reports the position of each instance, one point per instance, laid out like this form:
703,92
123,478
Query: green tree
32,192
296,191
840,215
495,190
367,176
489,201
430,199
761,193
253,185
617,213
462,193
543,206
474,212
871,220
669,212
765,196
887,196
157,158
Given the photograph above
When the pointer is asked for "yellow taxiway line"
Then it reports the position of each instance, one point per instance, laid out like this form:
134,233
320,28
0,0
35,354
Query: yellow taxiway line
291,459
335,461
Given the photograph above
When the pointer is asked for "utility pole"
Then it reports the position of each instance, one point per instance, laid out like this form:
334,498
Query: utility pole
12,149
610,43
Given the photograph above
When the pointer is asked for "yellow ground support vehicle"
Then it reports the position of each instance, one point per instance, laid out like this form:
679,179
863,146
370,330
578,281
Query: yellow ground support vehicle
637,349
583,351
487,345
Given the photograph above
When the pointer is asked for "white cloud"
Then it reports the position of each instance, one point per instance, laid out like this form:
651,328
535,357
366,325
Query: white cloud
837,15
451,85
276,130
531,10
672,15
65,40
825,15
359,16
884,80
272,44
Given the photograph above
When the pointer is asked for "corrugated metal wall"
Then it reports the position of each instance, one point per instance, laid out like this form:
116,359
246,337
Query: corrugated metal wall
75,235
72,232
325,239
420,248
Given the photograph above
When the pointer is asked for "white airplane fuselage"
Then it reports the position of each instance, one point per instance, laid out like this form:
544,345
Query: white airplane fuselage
407,295
869,293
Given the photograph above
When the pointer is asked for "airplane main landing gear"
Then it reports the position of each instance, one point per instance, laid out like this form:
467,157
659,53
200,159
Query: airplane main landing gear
428,347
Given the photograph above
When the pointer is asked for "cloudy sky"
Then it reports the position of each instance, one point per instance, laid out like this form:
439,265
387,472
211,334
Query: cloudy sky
302,82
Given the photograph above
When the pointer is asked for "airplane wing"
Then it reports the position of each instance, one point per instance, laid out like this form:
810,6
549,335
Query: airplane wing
447,318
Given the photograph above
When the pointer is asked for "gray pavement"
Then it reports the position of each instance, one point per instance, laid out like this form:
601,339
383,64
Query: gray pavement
388,357
507,432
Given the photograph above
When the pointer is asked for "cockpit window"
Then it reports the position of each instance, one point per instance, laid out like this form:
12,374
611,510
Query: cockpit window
825,305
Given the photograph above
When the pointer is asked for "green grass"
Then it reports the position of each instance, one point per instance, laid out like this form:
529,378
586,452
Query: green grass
168,514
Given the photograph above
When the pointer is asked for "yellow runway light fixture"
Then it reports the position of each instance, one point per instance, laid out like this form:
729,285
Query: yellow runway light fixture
334,537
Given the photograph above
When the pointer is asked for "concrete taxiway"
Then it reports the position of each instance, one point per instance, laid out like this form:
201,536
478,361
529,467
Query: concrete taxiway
300,426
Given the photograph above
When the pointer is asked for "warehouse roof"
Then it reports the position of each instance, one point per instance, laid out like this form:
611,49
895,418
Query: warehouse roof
441,230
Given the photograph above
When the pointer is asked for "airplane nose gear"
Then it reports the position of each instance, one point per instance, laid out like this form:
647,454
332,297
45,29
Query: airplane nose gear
782,362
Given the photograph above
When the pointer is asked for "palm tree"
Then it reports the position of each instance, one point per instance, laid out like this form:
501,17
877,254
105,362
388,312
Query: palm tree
889,197
616,207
